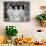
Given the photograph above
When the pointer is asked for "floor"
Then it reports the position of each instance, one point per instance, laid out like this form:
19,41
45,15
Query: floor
31,45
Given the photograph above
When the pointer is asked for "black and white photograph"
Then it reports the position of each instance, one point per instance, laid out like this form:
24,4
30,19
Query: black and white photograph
16,11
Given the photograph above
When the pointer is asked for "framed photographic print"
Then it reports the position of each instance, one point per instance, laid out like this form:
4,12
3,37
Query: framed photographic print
16,11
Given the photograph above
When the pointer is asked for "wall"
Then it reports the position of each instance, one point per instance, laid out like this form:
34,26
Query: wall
25,28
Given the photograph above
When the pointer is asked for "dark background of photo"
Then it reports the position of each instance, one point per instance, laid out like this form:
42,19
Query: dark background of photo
25,7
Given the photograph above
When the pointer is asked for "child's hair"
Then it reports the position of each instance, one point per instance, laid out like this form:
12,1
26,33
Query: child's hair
22,6
10,5
42,7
